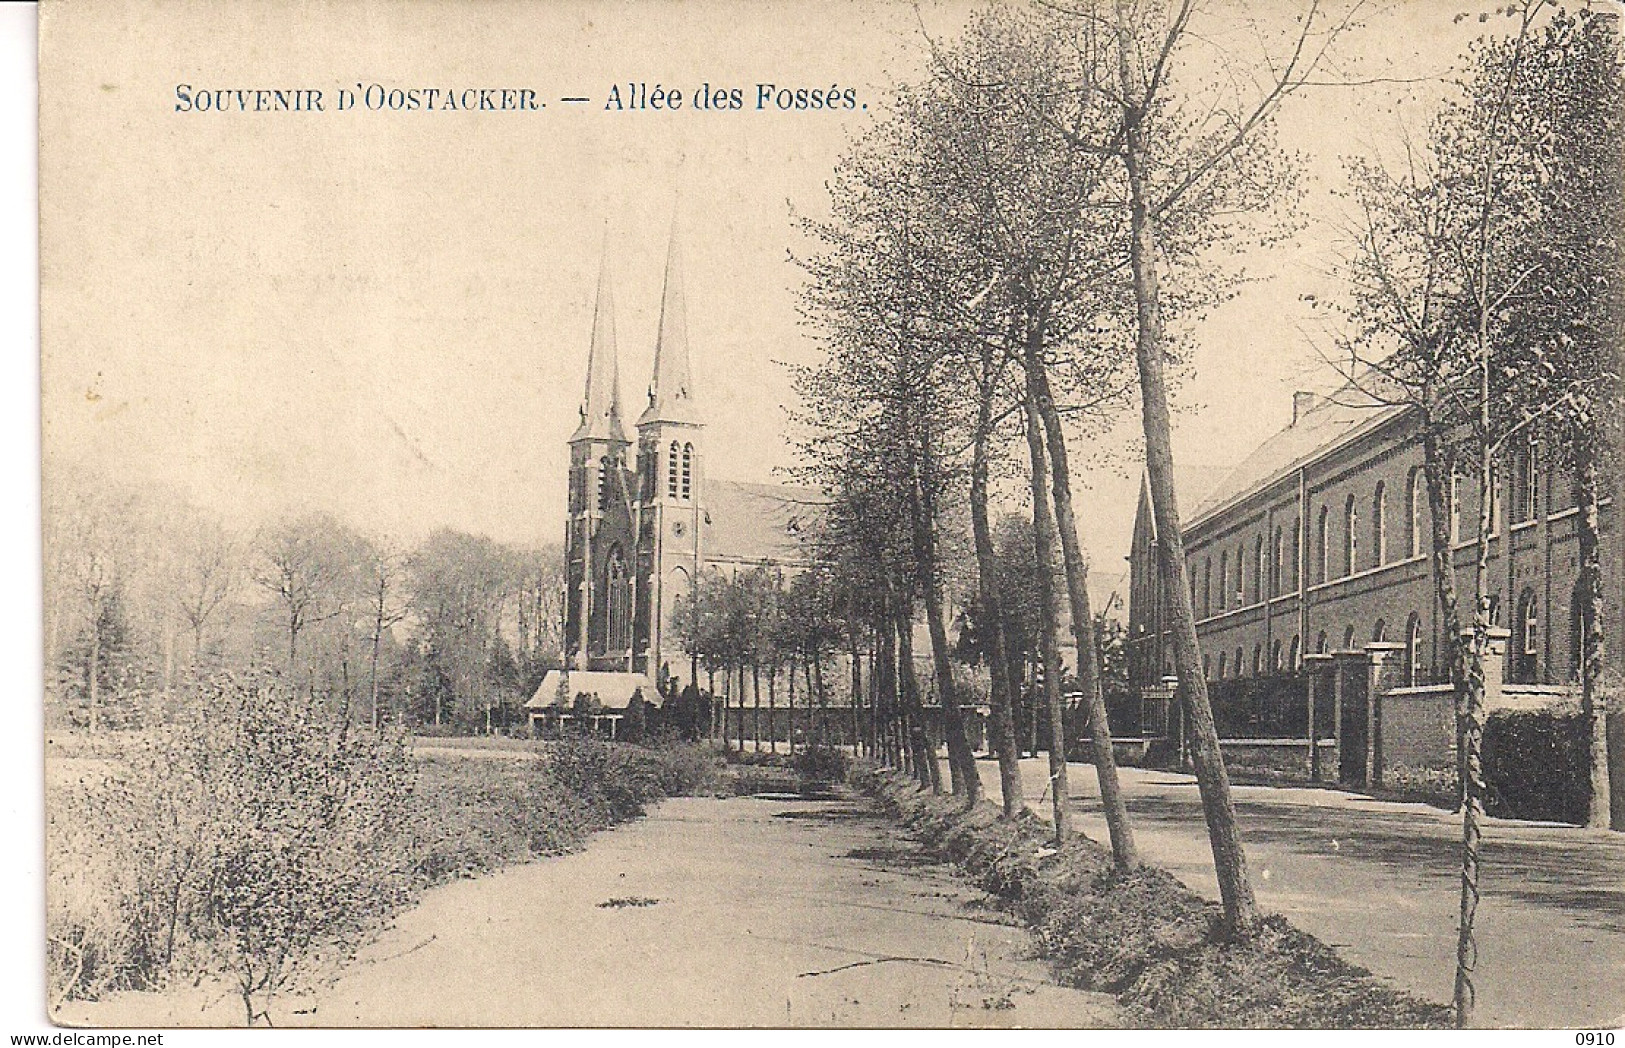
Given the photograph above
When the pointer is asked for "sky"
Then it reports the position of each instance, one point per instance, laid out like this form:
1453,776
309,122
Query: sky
386,314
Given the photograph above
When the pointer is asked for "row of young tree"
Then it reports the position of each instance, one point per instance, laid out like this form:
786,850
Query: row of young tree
145,594
1015,255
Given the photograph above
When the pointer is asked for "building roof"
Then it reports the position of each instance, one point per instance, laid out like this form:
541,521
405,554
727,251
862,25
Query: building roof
1192,483
613,690
671,388
757,522
601,403
1327,424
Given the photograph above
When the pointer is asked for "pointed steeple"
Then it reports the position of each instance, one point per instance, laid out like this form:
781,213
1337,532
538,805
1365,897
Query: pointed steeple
671,389
601,406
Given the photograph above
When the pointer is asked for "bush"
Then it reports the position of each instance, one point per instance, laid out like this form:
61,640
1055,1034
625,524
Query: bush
820,765
1535,765
1142,935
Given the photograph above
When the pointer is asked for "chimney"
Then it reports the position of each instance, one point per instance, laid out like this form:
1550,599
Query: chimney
1302,401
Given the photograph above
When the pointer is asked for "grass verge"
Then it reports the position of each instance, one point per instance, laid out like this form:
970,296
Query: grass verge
1143,936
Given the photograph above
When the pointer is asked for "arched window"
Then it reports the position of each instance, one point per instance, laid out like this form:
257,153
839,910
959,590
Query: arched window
1413,650
671,470
1221,665
1275,657
1379,632
1239,668
1526,647
1258,659
1379,527
1207,585
1207,668
1241,576
1455,507
1258,569
1351,540
1414,498
1277,563
1293,580
1292,662
619,604
688,471
1323,545
1526,480
1348,638
1320,643
606,482
1224,576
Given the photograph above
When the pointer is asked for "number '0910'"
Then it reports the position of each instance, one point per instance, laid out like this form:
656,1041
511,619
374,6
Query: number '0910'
1594,1038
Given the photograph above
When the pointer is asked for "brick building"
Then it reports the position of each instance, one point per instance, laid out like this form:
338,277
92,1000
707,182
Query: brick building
1318,543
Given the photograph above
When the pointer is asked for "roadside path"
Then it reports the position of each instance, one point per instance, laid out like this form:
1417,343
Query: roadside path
708,912
1380,881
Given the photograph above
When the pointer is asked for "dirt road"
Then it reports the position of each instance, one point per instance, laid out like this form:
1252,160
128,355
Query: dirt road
740,912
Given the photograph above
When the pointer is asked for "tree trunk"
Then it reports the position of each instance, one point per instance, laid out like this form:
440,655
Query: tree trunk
961,762
1470,730
857,691
756,706
885,678
1438,474
772,710
1002,723
925,757
1213,782
1124,853
1049,627
1592,652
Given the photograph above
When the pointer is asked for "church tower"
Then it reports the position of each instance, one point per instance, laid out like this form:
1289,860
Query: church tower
599,541
670,472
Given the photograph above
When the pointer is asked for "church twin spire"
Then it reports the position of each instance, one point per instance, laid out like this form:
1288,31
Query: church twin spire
671,388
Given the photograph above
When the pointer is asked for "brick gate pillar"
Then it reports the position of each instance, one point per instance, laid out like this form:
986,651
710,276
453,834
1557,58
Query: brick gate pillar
1317,670
1383,664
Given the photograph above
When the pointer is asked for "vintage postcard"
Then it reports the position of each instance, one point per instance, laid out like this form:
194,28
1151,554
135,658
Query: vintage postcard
807,513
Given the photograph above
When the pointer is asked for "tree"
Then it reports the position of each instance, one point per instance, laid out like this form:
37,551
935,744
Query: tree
384,574
309,565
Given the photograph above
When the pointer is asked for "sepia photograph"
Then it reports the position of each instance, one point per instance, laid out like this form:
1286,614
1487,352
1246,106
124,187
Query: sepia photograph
915,514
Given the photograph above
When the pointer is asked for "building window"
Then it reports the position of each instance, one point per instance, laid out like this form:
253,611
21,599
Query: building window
1292,662
1224,576
1455,507
1320,643
688,471
1258,569
1239,668
671,470
1258,660
1207,669
1348,639
1275,657
1526,647
1413,513
1379,527
606,482
1324,546
1525,481
1379,632
1294,580
1413,650
619,609
1277,563
1221,665
1241,576
1207,585
1351,541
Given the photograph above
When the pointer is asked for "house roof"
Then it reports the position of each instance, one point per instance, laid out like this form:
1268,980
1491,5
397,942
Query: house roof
1329,423
614,690
1193,483
757,522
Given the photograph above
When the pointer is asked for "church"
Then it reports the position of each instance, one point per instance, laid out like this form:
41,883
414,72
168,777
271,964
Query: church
645,518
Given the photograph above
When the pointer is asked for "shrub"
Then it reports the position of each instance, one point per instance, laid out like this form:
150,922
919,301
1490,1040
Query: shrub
1535,765
821,765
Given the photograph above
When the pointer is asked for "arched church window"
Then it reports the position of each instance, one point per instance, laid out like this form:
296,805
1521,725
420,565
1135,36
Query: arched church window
671,471
619,604
688,471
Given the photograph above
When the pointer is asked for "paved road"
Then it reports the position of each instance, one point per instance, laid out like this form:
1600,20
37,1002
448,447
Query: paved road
740,912
1379,880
